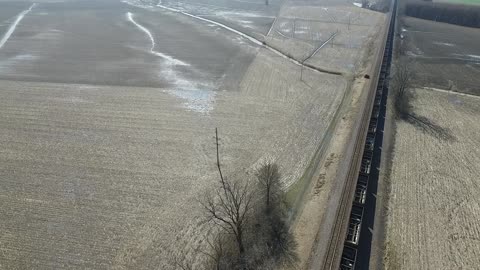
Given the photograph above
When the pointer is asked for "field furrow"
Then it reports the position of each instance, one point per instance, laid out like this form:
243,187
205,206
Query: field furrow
434,214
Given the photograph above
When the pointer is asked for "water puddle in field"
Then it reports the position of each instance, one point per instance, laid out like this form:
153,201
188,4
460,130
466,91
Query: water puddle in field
415,52
12,27
139,4
170,59
198,97
190,91
474,56
196,100
444,44
8,64
468,57
453,99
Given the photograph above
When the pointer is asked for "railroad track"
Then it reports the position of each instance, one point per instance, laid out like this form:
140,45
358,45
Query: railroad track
344,240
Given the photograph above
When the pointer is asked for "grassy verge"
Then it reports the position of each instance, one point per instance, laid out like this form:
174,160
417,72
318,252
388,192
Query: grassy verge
295,194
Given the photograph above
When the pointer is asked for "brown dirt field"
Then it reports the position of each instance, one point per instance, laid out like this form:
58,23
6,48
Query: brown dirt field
445,56
100,176
434,207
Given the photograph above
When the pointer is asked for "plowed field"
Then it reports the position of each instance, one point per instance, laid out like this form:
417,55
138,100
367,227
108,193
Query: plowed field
434,207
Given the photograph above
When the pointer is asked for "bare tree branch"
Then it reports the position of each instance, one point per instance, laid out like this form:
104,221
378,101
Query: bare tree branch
231,205
401,84
268,179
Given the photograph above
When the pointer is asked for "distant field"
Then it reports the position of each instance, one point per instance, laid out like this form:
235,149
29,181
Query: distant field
253,16
444,56
300,31
93,42
465,2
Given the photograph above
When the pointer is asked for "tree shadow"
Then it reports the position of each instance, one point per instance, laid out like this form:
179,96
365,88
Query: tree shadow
428,126
404,97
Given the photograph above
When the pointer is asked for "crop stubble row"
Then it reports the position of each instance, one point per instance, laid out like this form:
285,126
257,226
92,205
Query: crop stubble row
434,208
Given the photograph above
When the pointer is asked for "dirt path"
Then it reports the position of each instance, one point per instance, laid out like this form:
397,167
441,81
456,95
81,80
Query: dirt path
307,226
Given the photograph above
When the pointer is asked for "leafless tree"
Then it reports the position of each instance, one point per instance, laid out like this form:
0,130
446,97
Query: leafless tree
281,242
268,179
241,223
402,102
401,83
351,20
229,205
364,3
276,245
220,251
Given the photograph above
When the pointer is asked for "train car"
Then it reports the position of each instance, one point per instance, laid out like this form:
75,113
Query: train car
361,189
354,225
349,257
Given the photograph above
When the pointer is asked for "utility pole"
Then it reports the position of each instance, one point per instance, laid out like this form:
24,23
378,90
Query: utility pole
294,27
301,72
218,157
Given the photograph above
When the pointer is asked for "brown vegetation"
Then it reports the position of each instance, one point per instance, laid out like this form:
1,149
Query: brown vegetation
230,205
269,183
240,218
403,98
401,83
